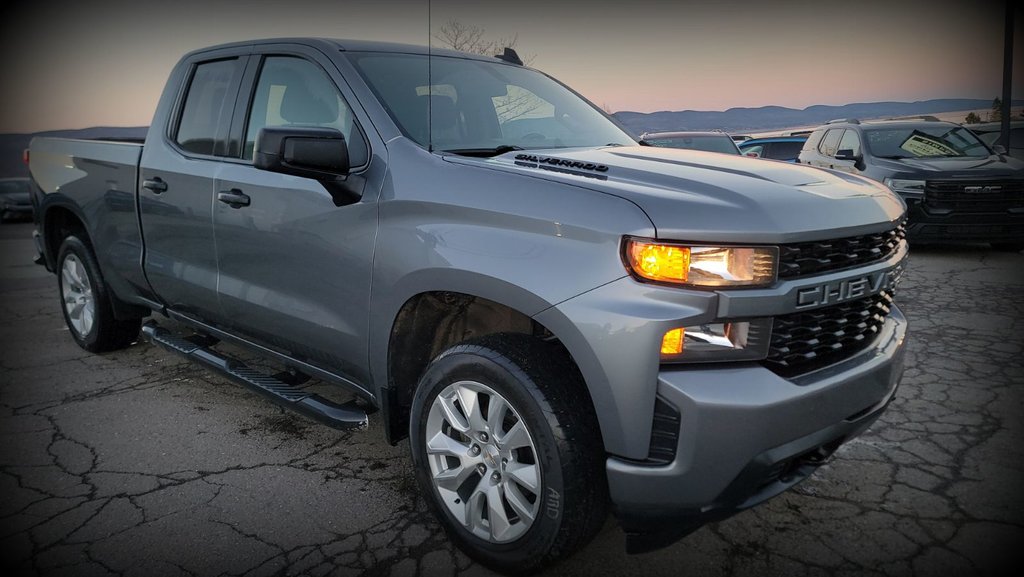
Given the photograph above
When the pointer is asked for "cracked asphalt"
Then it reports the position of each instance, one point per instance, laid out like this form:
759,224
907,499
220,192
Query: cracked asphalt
138,463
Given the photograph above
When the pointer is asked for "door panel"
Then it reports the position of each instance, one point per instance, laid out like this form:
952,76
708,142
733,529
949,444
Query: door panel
176,191
295,268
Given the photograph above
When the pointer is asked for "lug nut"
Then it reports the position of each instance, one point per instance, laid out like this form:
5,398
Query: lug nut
474,450
481,469
495,477
483,437
504,463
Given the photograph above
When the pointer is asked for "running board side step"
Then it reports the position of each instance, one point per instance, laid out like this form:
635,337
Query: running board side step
344,417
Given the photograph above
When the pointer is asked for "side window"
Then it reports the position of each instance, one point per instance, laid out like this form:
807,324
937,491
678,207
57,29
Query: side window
829,144
786,150
850,141
295,92
208,106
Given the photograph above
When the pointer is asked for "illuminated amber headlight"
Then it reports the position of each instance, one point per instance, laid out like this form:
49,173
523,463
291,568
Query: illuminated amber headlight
718,341
701,266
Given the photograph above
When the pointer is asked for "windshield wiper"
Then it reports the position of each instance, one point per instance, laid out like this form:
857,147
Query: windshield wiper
485,152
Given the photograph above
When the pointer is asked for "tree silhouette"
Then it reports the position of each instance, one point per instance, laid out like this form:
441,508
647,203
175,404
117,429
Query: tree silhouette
972,118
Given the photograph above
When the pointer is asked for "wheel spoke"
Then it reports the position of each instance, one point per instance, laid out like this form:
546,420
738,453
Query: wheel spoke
69,282
496,512
87,318
517,437
470,401
525,475
496,409
452,414
519,504
445,445
475,507
453,478
76,311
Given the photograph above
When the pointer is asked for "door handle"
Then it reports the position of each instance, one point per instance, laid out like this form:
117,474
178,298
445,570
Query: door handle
156,185
234,198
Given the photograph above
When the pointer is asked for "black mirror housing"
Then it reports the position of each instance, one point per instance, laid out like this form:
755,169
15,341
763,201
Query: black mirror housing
847,154
307,151
999,149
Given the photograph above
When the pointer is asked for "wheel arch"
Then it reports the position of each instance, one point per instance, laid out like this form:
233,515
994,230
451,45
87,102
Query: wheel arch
442,317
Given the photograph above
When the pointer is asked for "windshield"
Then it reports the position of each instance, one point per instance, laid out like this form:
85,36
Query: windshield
707,142
942,141
478,106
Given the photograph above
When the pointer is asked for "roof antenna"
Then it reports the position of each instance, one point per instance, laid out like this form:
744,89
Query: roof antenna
510,56
430,84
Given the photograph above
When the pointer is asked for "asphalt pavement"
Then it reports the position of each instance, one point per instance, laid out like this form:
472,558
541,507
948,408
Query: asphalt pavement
138,463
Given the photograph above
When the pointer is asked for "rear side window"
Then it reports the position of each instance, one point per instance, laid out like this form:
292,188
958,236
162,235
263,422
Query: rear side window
829,144
208,105
785,150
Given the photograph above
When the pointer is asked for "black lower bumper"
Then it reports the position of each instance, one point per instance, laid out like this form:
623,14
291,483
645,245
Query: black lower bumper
769,474
940,225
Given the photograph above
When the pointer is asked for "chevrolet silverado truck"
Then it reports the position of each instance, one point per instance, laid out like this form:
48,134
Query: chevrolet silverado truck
561,321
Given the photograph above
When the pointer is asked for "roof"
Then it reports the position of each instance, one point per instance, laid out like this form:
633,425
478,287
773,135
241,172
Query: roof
684,134
328,44
802,138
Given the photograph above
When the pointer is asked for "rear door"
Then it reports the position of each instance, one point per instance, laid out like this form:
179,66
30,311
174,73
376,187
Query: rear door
177,173
295,268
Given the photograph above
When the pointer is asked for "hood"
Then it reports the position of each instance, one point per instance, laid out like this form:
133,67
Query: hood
988,167
711,197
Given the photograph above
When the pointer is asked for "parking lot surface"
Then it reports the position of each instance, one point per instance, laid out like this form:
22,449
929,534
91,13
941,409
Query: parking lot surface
138,463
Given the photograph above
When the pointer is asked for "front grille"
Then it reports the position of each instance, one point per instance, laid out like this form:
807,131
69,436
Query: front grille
810,258
805,341
974,195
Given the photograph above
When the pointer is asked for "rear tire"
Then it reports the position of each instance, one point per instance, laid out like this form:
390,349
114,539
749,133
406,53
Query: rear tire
508,453
85,301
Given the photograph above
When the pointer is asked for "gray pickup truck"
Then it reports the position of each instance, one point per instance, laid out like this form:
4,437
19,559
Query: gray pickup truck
561,321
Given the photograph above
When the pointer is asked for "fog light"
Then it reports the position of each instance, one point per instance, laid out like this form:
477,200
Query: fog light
718,341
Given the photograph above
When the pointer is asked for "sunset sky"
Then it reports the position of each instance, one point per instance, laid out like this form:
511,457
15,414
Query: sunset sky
104,62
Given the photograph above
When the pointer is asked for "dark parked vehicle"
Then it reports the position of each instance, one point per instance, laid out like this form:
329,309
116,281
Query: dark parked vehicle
989,133
785,148
560,320
15,200
706,141
956,187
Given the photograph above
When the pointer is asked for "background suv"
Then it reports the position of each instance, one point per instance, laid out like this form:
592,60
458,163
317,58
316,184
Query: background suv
956,187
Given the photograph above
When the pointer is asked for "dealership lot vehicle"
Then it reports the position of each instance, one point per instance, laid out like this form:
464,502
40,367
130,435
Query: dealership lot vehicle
561,321
956,187
989,133
14,199
785,148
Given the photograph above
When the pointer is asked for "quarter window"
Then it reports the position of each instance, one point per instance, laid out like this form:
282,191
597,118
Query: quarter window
295,92
208,106
829,144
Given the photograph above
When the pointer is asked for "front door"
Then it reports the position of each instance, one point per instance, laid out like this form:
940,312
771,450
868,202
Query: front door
294,267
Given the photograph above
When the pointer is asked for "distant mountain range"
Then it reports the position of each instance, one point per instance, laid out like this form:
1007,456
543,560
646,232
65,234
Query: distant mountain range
772,117
732,120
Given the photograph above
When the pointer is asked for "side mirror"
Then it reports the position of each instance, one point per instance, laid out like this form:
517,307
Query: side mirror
306,151
847,154
999,149
753,154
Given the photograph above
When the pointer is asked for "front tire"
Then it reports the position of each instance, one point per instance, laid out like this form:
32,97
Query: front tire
85,301
508,452
1008,246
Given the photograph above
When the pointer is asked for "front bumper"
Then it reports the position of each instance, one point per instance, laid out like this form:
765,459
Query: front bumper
747,434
